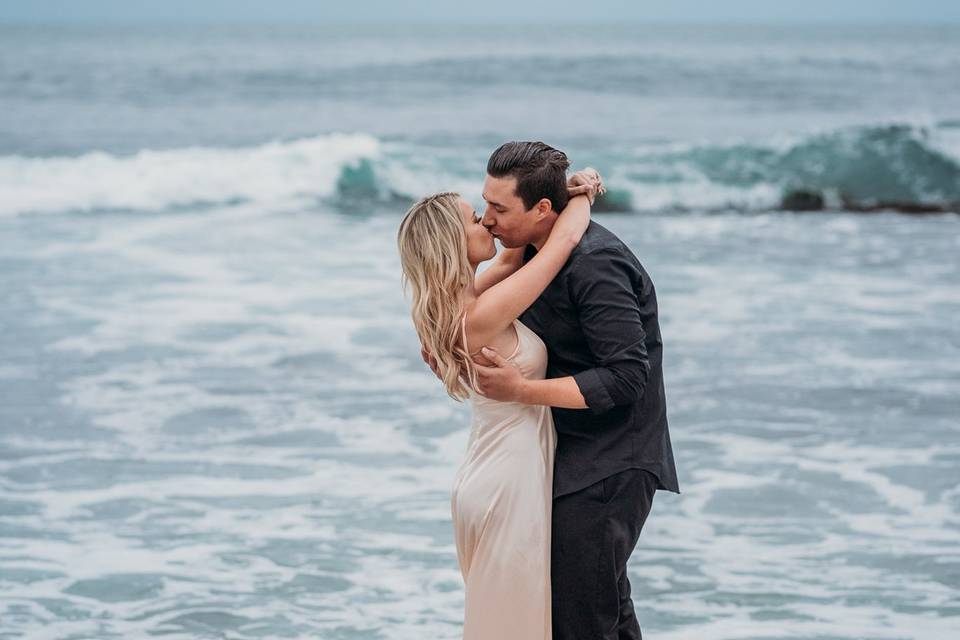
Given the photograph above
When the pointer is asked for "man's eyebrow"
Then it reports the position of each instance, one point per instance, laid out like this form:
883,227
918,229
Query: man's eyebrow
489,201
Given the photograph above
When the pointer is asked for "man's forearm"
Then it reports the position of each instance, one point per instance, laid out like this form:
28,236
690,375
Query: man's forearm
553,392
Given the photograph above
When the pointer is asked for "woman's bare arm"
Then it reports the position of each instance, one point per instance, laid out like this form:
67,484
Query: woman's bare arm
584,182
505,264
497,307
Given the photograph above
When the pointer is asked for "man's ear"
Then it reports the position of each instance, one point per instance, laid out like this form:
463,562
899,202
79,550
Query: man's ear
544,207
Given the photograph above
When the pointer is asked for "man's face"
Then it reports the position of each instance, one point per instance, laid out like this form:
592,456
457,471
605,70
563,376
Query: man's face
505,216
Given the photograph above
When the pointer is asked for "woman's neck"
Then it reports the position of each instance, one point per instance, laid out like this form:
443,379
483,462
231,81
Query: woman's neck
469,294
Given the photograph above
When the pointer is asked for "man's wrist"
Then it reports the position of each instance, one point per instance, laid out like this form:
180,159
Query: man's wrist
523,391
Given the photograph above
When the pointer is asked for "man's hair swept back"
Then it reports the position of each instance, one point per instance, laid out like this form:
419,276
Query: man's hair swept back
540,170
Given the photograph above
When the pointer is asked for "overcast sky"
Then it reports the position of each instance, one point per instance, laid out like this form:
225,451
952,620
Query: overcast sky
480,11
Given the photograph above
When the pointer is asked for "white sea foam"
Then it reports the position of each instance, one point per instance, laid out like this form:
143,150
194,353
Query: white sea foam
335,450
275,172
661,176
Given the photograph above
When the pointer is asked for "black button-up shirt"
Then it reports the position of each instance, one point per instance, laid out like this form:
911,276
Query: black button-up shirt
598,319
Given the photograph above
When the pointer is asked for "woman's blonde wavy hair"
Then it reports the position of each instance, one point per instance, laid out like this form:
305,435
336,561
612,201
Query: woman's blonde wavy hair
433,256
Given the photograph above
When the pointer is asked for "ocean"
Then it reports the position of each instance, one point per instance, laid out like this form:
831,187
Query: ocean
214,420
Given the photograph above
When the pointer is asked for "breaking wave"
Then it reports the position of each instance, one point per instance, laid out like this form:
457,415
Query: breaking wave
853,167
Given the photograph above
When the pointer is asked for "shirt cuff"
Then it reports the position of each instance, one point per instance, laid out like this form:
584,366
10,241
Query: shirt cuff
594,391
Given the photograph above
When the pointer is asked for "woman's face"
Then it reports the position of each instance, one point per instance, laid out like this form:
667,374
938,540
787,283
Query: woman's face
480,246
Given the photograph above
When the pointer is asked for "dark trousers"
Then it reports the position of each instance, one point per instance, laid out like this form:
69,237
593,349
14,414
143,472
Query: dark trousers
593,534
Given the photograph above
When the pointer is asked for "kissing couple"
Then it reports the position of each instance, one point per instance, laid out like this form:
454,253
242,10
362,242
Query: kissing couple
557,347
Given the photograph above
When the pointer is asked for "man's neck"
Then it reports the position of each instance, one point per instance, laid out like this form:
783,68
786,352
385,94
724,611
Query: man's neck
544,232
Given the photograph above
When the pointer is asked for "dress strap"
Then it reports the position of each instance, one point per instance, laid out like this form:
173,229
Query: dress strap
463,336
463,331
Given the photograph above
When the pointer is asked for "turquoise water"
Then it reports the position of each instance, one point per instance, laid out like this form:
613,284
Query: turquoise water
214,422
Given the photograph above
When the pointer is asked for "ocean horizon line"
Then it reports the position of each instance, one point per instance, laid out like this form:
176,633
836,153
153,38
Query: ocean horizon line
583,22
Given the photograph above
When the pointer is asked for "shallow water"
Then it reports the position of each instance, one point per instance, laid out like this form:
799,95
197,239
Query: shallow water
216,424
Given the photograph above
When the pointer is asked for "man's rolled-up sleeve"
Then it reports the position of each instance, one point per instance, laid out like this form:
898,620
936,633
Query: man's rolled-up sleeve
601,285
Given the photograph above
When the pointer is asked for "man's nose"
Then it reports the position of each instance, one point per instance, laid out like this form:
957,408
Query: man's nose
487,220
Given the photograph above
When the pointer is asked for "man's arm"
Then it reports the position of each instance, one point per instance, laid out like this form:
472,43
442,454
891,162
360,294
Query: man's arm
503,381
602,290
609,314
553,392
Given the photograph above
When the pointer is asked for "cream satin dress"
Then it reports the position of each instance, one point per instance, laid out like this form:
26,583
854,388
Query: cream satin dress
501,505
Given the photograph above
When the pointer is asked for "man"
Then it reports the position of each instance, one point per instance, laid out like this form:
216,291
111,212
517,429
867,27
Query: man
598,319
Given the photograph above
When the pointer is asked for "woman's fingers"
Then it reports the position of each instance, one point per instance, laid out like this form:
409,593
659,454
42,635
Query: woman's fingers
587,177
587,190
576,191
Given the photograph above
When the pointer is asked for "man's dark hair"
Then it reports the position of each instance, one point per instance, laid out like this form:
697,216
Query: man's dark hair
540,170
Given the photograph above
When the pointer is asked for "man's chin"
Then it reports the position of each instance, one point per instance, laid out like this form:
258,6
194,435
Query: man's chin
506,244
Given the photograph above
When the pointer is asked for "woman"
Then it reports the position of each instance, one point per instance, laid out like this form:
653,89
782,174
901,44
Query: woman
502,494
